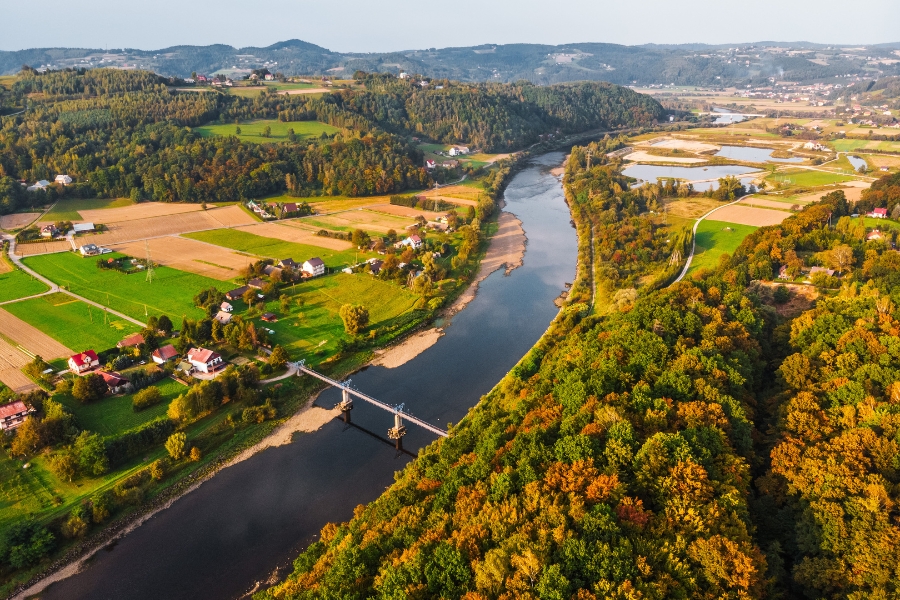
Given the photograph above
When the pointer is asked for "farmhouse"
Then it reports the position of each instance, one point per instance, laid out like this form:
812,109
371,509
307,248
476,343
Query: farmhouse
223,317
271,270
237,294
164,354
314,266
269,317
226,307
287,263
63,179
205,361
457,150
874,235
49,231
290,207
13,414
115,382
89,250
815,270
878,213
256,283
815,146
375,265
84,362
430,164
131,341
413,241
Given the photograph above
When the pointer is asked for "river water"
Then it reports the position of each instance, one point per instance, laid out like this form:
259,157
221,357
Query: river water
257,515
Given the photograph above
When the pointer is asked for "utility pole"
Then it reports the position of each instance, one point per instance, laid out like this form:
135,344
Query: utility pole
149,262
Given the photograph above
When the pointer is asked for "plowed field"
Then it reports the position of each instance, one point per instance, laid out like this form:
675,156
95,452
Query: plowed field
189,255
745,215
11,363
296,231
32,339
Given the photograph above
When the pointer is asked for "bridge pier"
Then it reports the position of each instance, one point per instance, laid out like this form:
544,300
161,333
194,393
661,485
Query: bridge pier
397,432
346,405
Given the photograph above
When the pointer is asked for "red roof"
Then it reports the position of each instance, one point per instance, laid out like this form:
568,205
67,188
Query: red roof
415,238
12,409
166,352
85,358
113,379
135,339
201,355
880,211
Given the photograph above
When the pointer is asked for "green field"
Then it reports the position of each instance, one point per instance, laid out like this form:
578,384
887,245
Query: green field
19,284
253,130
714,240
114,415
272,248
305,329
848,145
67,209
808,178
171,292
71,322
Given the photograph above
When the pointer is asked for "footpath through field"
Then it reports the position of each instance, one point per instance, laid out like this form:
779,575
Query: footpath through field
687,263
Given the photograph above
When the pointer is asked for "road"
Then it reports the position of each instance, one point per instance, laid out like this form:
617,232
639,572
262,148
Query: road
687,263
55,288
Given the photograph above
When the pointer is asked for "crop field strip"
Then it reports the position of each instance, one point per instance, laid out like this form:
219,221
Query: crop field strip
188,255
297,231
31,338
11,362
268,247
746,215
17,220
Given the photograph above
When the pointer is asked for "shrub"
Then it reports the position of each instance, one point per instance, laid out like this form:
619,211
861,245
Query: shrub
176,445
146,398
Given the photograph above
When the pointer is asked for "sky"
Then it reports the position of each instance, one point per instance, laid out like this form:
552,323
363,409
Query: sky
386,25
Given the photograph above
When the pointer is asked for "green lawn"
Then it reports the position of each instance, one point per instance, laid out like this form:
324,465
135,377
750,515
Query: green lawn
714,239
72,322
19,284
808,178
305,329
67,209
113,414
272,248
253,130
171,292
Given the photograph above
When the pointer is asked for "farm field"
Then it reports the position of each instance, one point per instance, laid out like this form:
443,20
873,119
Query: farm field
69,209
405,211
457,194
847,145
71,322
114,415
318,325
189,255
692,208
746,215
253,130
882,160
17,220
31,338
273,248
808,178
15,283
297,231
144,210
763,203
171,292
715,238
11,362
364,219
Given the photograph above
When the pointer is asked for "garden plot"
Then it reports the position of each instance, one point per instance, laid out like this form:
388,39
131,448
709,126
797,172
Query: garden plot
17,220
746,215
30,338
365,219
43,248
189,255
298,232
11,363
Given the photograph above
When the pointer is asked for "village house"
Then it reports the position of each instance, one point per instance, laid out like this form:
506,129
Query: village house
164,354
375,265
38,185
458,150
271,270
290,207
815,146
85,362
49,231
256,283
63,179
13,414
115,382
314,267
226,307
270,77
269,317
878,213
413,241
237,293
89,250
430,164
131,341
223,317
205,361
815,270
288,263
875,234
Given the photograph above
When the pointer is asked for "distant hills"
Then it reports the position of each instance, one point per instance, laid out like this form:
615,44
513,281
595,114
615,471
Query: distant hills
685,64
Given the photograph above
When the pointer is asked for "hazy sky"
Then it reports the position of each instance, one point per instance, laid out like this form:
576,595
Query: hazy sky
383,25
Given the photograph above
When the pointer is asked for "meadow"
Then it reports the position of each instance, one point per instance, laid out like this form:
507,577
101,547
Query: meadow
715,238
272,248
72,322
17,284
171,292
252,131
67,208
848,145
808,178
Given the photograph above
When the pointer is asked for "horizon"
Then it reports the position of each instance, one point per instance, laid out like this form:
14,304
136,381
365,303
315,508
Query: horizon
400,25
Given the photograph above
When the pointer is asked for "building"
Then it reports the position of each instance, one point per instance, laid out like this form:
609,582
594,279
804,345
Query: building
458,150
223,317
874,235
375,265
815,270
38,186
83,228
878,213
13,414
89,250
205,361
115,382
63,179
226,307
288,263
430,164
290,207
314,266
270,77
413,241
269,317
131,341
404,75
85,362
49,231
815,146
256,283
271,270
164,354
237,294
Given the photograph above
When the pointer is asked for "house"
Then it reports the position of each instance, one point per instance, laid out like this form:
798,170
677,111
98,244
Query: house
884,169
226,307
256,283
38,185
205,361
375,265
202,79
450,164
874,235
223,317
815,270
269,317
254,77
815,146
454,151
84,362
314,266
115,382
89,250
430,164
164,354
288,263
270,77
131,341
49,231
83,227
878,213
271,270
189,80
237,294
783,273
413,241
404,75
13,414
290,207
63,179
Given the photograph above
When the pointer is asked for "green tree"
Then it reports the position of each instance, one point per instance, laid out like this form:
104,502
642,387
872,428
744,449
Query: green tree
359,238
146,397
24,543
91,453
237,131
279,357
89,388
355,317
176,445
64,464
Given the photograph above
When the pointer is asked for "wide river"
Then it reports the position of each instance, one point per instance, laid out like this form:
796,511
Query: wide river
257,515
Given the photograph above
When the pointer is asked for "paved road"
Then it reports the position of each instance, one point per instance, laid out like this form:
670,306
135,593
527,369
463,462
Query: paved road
55,288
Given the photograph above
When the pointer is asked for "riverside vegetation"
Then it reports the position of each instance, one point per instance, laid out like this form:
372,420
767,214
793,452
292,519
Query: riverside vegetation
690,442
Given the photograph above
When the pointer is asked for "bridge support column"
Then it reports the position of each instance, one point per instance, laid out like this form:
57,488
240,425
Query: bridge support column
397,432
346,405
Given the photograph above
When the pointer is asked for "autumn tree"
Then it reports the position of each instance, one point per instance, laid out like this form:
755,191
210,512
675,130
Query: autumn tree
355,317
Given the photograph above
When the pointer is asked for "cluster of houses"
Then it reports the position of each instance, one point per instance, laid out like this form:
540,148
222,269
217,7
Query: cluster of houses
43,184
313,267
273,211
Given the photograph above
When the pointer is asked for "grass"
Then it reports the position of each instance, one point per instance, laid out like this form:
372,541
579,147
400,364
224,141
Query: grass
17,284
808,178
171,292
72,322
114,415
67,209
253,131
848,145
272,248
714,240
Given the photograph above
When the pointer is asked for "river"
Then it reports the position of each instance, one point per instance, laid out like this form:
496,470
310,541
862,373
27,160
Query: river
258,514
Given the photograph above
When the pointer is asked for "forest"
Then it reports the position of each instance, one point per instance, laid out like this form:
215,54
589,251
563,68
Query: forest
693,443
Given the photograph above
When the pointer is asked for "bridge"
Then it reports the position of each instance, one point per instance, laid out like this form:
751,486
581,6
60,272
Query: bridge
396,432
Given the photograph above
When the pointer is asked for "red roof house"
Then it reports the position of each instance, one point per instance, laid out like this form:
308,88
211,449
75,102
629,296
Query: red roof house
205,361
13,414
164,354
84,362
878,213
115,382
132,340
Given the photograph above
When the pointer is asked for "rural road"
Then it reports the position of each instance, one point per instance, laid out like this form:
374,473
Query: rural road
55,288
687,263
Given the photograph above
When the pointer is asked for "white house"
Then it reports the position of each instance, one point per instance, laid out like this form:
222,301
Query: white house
205,361
430,164
63,179
13,414
413,241
815,146
84,362
164,354
314,266
226,307
878,213
454,151
404,75
89,250
38,185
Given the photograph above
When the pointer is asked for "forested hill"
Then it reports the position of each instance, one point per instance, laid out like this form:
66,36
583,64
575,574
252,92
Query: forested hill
692,444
